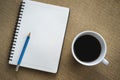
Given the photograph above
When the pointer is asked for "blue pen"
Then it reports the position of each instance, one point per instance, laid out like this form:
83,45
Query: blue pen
23,51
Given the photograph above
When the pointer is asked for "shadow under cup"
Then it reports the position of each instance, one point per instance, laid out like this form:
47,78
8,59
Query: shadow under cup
102,44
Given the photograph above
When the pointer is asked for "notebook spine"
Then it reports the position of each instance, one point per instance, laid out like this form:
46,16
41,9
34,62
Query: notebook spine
16,30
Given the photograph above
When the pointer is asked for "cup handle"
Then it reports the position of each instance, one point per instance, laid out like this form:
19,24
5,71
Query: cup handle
104,61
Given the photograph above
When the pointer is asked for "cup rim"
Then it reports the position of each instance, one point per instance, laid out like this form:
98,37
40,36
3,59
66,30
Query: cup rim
88,63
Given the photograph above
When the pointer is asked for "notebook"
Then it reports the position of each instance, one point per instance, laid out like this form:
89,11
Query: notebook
47,24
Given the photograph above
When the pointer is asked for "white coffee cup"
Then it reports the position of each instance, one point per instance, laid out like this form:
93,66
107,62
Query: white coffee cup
102,42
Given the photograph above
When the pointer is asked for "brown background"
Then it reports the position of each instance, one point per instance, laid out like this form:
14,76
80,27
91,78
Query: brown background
102,16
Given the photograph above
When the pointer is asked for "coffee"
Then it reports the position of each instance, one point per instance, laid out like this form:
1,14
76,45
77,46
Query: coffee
87,48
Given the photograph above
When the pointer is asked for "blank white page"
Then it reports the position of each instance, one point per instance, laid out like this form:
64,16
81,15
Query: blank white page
47,24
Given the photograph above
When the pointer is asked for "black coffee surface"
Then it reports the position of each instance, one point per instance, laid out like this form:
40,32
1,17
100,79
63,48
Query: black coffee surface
87,48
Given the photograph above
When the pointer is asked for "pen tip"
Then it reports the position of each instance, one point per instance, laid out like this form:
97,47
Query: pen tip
29,33
17,67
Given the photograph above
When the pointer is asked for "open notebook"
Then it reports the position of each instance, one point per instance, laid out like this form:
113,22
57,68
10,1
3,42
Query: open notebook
47,24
